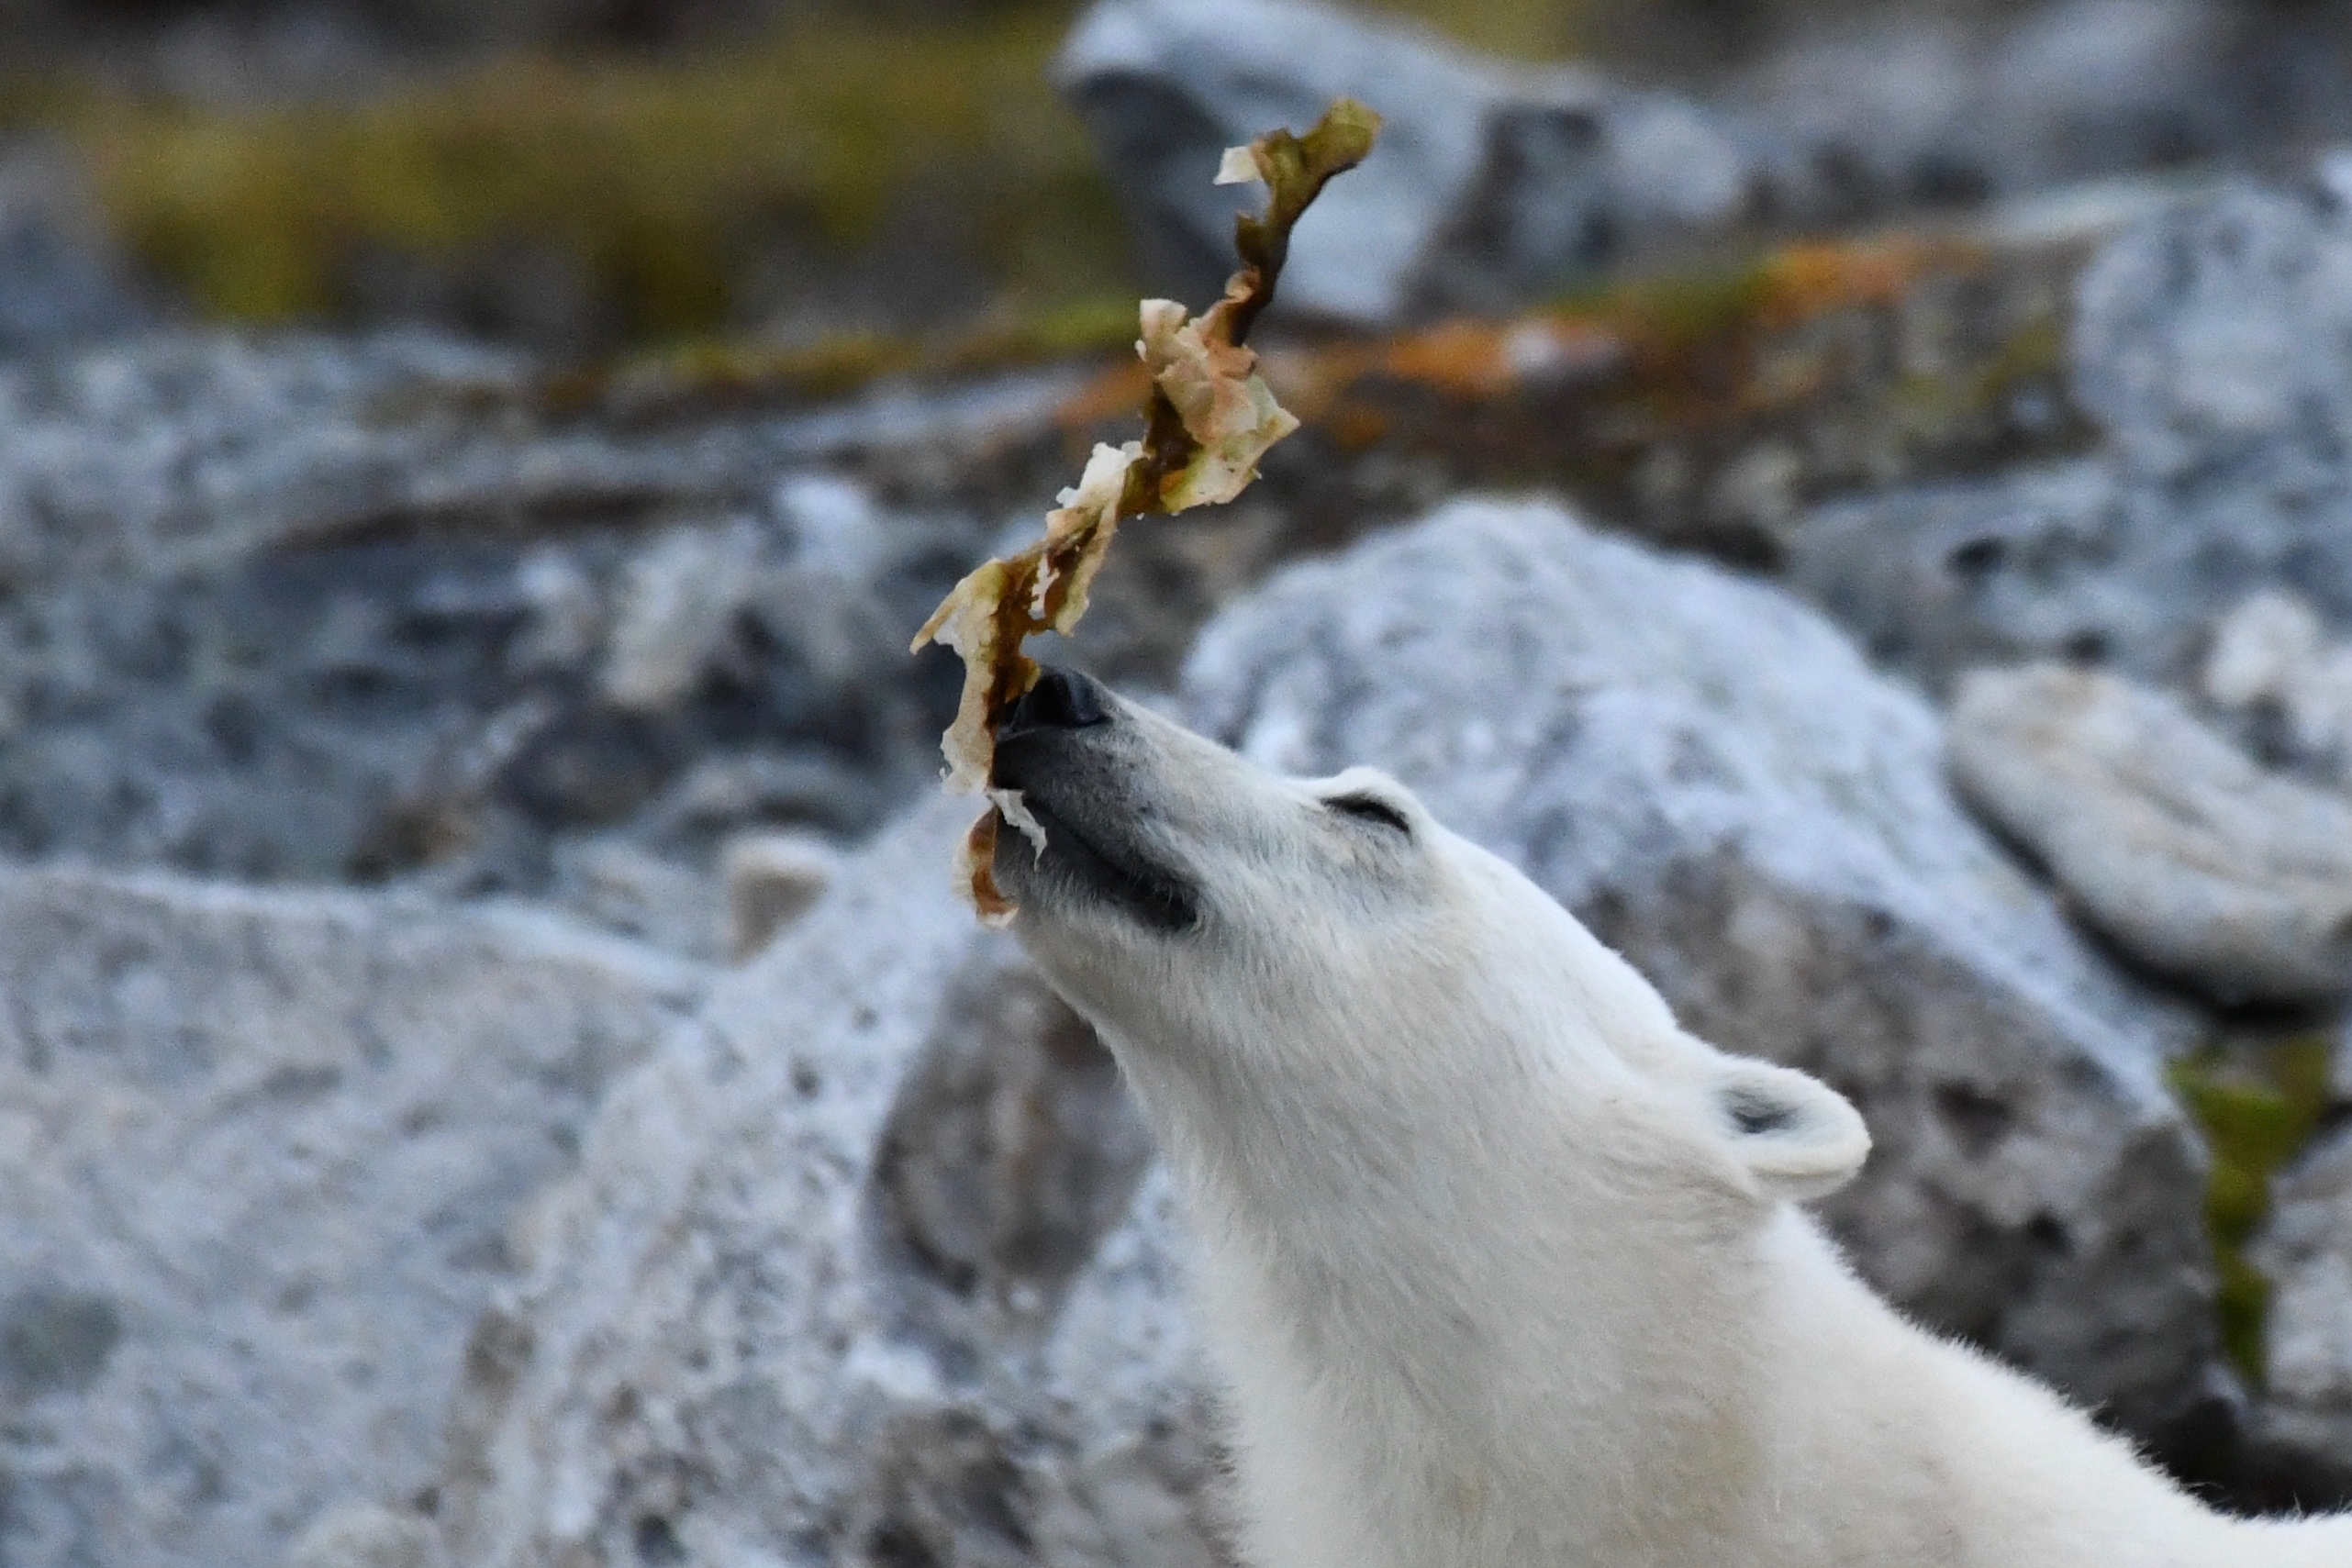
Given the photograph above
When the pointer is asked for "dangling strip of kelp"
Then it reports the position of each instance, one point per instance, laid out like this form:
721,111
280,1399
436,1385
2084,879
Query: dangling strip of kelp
1209,420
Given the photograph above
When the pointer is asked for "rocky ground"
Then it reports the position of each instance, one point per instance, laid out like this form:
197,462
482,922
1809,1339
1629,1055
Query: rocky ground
492,1070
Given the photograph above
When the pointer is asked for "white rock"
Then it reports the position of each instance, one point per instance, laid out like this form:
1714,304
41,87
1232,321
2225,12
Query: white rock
676,600
2260,650
842,1276
628,889
2271,659
2166,837
772,880
259,1153
368,1535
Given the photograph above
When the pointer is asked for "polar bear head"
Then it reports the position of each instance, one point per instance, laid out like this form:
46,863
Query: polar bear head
1275,959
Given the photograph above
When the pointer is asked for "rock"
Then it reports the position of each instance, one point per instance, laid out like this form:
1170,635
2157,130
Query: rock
1934,580
623,887
1499,183
2201,343
678,602
258,1155
61,282
1490,184
299,609
1939,108
2163,835
2204,345
366,1535
1708,773
180,450
850,1273
2088,87
2272,668
772,880
2304,1431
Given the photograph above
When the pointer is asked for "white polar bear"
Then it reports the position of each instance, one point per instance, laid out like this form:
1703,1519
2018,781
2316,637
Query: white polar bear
1503,1268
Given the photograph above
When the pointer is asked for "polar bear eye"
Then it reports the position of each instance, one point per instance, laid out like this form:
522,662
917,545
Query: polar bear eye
1371,808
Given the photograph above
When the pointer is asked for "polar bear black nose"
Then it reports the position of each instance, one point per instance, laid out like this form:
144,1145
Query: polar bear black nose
1062,699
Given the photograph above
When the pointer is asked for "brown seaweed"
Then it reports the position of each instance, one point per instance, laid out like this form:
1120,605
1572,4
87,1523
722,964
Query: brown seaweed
1210,419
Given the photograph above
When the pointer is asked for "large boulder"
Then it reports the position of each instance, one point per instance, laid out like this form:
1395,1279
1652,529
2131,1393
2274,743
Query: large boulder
259,1153
850,1273
303,609
1489,184
2208,344
1706,772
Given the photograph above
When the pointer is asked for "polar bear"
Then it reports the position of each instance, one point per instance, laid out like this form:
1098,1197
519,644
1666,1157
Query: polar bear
1504,1269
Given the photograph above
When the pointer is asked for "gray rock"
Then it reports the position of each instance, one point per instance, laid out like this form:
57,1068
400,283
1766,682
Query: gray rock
617,883
61,282
849,1272
772,880
1933,581
1491,182
258,1155
302,610
1936,106
179,450
1496,184
2273,670
1706,772
2305,1423
2163,835
2207,343
368,1535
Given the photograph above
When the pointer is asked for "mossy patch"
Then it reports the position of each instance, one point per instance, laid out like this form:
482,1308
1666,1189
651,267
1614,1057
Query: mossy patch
656,181
703,373
2259,1107
1517,29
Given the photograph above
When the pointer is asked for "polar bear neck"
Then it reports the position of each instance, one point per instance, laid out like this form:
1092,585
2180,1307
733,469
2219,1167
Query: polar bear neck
1418,1312
1452,1338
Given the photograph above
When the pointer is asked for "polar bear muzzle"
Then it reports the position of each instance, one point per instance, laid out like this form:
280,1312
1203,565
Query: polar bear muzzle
1063,747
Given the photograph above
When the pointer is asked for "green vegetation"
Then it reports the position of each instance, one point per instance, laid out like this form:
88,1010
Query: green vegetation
1676,308
659,183
705,372
672,201
2258,1107
656,187
1519,29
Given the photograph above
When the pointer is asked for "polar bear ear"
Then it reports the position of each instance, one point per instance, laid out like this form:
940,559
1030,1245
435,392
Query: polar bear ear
1799,1137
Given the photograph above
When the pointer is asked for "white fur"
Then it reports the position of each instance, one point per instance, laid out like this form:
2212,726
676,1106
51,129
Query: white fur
1496,1277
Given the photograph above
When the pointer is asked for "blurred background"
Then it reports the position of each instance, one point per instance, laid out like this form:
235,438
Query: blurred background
581,177
1855,496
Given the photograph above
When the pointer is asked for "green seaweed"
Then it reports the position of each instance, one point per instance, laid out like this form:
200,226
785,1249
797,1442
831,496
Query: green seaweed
2258,1107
